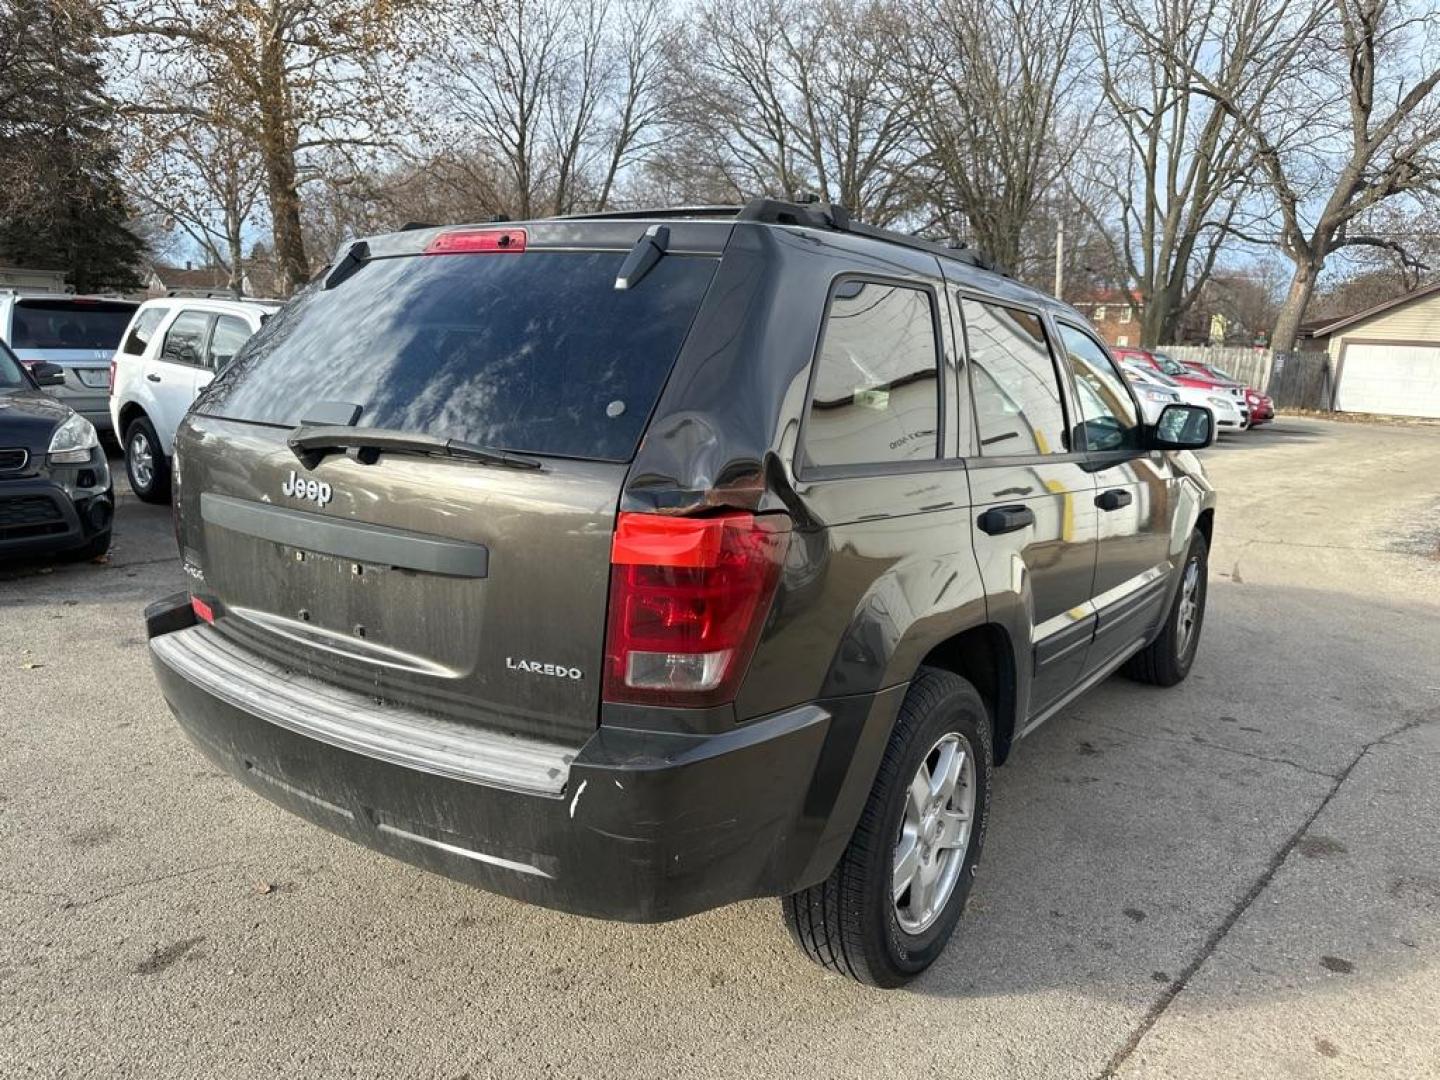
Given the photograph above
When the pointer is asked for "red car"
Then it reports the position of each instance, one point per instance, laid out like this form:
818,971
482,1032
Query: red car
1187,376
1262,406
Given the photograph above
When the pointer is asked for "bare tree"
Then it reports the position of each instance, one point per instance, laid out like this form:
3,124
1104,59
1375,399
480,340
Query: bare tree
993,84
1362,129
772,97
203,181
546,102
289,77
1176,163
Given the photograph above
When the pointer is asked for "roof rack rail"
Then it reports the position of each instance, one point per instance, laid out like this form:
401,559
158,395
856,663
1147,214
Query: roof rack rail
807,210
218,294
823,215
702,210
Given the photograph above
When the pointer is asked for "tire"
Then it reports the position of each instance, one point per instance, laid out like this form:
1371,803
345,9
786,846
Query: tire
145,463
1166,660
98,545
851,923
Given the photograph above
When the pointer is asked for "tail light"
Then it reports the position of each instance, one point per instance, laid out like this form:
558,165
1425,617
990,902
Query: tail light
688,597
112,378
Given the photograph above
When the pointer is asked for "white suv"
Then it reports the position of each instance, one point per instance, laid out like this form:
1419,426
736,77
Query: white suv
171,350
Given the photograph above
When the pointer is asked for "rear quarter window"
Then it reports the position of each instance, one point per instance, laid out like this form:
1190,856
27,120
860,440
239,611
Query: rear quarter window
874,397
142,330
535,352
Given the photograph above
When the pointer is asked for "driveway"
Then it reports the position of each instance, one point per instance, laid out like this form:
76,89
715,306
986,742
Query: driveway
1238,877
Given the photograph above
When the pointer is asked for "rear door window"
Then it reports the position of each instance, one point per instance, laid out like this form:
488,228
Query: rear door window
185,340
875,394
230,333
69,324
1014,382
536,352
142,330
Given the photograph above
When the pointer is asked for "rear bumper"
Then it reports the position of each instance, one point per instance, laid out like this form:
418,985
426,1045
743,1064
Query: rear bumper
642,826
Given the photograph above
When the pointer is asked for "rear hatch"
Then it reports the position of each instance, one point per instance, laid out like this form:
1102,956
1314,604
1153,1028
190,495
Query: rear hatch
472,591
78,333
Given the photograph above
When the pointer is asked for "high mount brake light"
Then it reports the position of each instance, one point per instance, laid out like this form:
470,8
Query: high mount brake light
474,241
688,598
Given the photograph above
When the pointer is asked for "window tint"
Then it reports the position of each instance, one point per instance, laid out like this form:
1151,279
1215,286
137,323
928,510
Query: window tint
875,398
1014,382
185,340
535,352
69,324
143,330
1106,408
230,334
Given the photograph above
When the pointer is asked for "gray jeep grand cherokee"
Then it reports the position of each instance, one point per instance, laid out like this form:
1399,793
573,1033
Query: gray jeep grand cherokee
637,564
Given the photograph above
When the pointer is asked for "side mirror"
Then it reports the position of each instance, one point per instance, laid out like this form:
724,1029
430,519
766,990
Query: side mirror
1183,427
48,374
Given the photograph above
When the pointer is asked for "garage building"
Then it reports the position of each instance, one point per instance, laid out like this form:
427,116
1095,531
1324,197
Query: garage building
1386,359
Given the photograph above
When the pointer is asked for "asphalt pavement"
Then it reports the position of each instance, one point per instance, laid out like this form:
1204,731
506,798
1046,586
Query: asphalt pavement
1239,877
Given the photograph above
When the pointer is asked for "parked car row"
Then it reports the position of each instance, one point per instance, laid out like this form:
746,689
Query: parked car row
1236,406
76,368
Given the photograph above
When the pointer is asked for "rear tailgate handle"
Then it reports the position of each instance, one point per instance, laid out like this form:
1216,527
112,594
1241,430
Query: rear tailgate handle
1004,519
1113,499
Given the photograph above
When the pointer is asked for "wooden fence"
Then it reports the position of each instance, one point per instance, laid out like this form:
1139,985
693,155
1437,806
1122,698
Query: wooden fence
1296,380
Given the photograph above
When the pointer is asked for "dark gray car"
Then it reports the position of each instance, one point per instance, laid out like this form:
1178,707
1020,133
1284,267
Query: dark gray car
637,565
55,490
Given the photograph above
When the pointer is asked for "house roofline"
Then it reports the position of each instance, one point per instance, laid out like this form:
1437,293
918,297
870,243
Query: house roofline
1378,309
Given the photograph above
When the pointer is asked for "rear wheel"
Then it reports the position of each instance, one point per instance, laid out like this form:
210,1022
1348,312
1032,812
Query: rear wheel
145,462
1167,659
892,902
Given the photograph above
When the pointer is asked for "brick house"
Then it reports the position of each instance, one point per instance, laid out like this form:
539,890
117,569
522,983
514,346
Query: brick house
1110,311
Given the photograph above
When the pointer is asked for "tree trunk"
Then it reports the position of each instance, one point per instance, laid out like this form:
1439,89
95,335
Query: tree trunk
1292,311
277,148
236,283
284,197
1161,318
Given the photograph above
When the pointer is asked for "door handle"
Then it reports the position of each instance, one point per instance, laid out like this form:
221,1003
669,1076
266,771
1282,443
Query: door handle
1004,519
152,376
1113,499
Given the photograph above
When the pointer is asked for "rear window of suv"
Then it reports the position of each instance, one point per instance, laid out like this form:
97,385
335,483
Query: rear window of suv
68,324
535,352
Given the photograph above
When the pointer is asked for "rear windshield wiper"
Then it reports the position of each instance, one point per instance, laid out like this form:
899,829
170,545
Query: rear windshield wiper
310,444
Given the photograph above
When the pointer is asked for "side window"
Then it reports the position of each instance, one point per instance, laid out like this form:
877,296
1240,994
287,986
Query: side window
1106,408
142,330
1013,381
876,394
185,340
230,334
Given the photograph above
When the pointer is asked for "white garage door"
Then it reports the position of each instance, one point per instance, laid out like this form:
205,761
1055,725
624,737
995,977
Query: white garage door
1402,380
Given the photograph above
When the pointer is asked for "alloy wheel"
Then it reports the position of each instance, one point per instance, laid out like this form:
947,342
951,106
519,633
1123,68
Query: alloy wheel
934,833
142,461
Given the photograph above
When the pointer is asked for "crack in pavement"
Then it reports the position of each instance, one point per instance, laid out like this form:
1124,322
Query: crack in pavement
1196,740
71,905
1212,941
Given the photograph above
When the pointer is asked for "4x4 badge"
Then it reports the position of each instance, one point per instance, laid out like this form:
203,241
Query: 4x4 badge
317,491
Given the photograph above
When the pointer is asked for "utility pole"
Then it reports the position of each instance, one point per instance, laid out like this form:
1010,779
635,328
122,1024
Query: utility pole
1059,257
